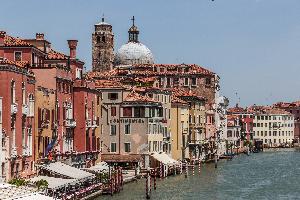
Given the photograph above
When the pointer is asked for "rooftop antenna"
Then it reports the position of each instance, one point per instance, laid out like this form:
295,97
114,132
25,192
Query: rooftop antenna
103,17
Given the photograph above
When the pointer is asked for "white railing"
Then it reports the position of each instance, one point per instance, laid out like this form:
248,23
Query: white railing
14,108
25,109
70,123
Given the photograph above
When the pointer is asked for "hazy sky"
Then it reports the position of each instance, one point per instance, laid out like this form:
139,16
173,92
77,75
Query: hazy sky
254,45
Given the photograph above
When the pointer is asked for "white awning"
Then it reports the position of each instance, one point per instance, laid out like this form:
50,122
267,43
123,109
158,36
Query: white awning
164,158
33,196
99,167
54,183
9,192
66,170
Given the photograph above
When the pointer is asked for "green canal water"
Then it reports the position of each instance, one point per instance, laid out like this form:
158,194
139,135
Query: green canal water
268,175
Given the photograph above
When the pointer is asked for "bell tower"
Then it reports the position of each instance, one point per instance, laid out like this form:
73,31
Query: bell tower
103,47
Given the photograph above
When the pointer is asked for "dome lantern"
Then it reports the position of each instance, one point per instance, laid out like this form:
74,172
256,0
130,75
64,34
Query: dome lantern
133,32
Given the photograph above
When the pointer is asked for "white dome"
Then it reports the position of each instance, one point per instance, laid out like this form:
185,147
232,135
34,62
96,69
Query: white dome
134,53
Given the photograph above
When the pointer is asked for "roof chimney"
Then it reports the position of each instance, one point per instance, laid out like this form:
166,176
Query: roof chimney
39,36
72,46
2,36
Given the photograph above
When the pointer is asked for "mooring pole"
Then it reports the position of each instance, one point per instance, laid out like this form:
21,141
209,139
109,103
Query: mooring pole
155,174
193,168
216,160
199,165
148,184
186,169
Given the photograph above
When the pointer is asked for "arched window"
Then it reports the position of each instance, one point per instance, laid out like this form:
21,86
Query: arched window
13,91
103,38
31,105
98,39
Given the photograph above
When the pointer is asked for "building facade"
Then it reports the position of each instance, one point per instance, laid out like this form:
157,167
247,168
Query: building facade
275,127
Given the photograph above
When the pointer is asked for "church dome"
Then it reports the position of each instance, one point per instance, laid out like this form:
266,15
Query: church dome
134,53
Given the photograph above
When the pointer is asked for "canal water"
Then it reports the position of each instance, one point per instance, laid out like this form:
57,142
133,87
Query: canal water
267,175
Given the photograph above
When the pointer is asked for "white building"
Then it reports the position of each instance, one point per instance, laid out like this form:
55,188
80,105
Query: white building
275,127
233,132
221,122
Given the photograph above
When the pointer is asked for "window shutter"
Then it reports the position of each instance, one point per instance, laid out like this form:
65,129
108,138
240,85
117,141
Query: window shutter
64,113
39,117
47,115
52,115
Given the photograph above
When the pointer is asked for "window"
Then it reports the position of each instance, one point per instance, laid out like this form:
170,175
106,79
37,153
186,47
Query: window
229,134
98,39
127,129
78,73
113,147
127,112
186,81
207,81
127,147
113,96
113,111
23,94
13,92
18,56
194,81
103,38
113,129
139,112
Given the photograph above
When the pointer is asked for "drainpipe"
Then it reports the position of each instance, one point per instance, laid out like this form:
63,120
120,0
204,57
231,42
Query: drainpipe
119,128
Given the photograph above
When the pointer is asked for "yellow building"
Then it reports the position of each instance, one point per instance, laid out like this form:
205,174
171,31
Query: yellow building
45,127
179,129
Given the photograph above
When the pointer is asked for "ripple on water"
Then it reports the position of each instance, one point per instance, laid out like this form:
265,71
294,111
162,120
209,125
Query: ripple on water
263,176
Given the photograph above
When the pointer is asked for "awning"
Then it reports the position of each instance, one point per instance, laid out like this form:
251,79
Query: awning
54,183
33,196
9,192
164,158
99,167
121,158
66,170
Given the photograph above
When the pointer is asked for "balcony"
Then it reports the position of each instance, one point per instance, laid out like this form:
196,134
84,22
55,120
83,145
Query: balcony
14,108
25,151
70,123
95,124
54,125
25,109
13,153
88,123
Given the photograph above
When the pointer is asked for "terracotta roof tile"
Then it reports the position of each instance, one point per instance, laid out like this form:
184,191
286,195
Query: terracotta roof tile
133,96
10,41
178,100
55,55
108,84
21,64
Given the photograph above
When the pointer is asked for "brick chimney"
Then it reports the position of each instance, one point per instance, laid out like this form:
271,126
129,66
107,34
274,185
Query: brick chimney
2,36
39,36
72,46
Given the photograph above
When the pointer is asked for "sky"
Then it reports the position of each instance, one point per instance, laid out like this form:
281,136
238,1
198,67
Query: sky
253,45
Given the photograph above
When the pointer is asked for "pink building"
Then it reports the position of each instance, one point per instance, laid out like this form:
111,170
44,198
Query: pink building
18,118
246,119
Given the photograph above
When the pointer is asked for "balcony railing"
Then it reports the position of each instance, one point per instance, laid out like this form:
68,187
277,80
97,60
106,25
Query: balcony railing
71,123
25,109
13,153
88,123
14,108
95,124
